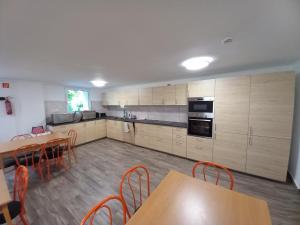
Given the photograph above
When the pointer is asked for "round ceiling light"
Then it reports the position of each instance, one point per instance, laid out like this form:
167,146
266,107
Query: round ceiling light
197,63
99,83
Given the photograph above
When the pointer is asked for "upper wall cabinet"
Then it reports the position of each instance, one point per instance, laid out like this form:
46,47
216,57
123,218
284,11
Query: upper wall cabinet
180,94
158,96
131,96
145,96
202,88
169,95
272,104
232,105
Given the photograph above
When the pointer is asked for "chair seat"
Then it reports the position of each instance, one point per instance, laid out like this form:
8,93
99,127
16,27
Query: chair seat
8,162
14,209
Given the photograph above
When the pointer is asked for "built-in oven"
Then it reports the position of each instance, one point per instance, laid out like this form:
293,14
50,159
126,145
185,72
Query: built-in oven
200,116
200,126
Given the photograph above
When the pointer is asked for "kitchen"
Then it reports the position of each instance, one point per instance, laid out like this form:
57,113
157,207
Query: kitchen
80,131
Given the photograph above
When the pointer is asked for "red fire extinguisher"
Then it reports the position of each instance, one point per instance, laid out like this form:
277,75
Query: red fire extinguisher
8,106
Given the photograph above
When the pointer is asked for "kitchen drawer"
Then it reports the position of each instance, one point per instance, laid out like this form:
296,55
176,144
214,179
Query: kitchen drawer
199,148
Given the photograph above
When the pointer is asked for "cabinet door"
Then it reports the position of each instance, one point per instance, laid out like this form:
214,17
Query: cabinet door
230,150
179,142
199,148
268,157
232,105
181,94
129,136
81,133
100,129
158,96
272,104
162,138
132,96
203,88
91,131
169,95
145,96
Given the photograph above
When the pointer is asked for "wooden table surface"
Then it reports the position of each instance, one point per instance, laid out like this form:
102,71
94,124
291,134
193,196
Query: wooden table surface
4,197
183,200
6,148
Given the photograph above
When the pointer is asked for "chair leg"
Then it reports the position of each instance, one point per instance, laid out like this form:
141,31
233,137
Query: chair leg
24,219
73,152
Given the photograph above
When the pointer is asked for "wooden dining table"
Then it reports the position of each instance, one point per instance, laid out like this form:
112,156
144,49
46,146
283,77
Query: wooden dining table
183,200
4,198
7,148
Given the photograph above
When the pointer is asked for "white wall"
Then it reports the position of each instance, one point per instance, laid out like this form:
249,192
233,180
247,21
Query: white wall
294,166
28,108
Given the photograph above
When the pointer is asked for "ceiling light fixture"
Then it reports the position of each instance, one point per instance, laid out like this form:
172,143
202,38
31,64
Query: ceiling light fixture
99,83
197,63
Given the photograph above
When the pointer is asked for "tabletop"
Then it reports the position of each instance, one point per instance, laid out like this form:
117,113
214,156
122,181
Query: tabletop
8,147
180,199
4,193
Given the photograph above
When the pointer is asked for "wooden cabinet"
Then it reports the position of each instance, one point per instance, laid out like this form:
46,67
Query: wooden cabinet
268,157
115,129
129,136
202,88
231,150
169,95
100,129
232,105
158,96
179,142
80,128
272,104
131,96
199,148
180,94
145,96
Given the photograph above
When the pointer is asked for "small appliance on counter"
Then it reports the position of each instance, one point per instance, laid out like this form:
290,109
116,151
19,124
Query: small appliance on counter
59,118
100,115
88,115
200,116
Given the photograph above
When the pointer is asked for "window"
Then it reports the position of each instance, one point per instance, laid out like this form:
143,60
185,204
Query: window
78,100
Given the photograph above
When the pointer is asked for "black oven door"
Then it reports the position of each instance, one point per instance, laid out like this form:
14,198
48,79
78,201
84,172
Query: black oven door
200,127
201,106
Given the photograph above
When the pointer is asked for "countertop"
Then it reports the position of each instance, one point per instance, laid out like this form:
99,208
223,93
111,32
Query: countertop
145,121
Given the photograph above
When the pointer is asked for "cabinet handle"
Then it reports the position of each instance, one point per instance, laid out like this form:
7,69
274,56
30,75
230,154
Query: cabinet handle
251,136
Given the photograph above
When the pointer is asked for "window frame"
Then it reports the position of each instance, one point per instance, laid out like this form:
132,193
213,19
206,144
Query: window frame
77,89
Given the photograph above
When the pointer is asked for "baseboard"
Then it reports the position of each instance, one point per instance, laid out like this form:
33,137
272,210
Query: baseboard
295,182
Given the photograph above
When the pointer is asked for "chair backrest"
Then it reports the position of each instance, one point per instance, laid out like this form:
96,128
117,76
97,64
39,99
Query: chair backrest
73,134
216,171
20,186
127,178
37,130
28,153
57,146
21,137
91,215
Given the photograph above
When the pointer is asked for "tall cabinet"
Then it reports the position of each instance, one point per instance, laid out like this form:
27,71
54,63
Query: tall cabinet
270,124
231,121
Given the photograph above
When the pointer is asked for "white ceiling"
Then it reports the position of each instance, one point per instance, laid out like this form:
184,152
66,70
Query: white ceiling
137,41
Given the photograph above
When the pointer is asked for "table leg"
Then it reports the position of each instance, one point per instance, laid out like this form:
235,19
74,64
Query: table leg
6,214
69,151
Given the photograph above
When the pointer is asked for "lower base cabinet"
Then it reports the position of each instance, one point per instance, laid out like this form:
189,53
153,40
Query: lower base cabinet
231,150
199,148
268,157
179,142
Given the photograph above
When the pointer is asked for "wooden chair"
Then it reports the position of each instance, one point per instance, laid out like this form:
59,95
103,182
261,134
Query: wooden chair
17,206
216,171
91,215
73,134
139,171
30,155
54,153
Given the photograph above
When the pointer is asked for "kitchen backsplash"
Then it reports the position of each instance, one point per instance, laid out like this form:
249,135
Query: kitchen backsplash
164,113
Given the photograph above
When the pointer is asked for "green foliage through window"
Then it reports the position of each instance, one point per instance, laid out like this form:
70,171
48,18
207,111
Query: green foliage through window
78,100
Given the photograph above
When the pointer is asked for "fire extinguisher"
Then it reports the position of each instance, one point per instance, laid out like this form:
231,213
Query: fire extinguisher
8,106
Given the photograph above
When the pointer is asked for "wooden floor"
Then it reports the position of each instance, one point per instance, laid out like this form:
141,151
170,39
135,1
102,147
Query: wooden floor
67,197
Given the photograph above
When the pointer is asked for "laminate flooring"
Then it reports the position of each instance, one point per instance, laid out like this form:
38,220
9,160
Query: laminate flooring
67,197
